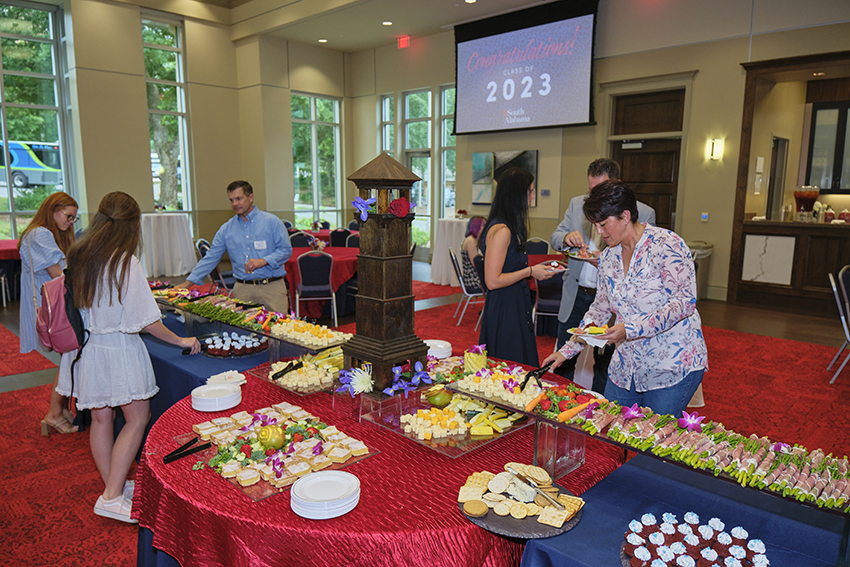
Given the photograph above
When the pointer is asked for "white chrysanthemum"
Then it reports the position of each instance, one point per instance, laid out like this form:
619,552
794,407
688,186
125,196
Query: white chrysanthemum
361,379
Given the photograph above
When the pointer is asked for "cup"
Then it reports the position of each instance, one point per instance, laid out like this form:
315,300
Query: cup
805,201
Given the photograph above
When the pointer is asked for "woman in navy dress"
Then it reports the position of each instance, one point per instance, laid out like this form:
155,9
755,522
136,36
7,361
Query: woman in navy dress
506,327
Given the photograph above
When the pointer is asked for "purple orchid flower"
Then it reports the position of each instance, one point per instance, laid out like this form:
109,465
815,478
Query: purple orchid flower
633,412
317,448
781,447
363,206
477,349
588,411
691,421
510,384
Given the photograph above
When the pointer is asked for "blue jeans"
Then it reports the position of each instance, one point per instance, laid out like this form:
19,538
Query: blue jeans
670,400
601,357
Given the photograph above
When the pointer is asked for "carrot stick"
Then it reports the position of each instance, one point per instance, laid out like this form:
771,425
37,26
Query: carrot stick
572,412
533,403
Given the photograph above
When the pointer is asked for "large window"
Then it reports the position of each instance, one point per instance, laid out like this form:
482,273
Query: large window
32,160
388,124
448,152
315,160
167,115
417,156
829,147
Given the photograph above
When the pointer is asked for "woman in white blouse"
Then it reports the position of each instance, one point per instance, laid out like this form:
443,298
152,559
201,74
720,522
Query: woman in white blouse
115,369
43,246
647,281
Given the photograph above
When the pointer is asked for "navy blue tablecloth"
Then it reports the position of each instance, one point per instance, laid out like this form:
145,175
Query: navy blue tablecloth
794,535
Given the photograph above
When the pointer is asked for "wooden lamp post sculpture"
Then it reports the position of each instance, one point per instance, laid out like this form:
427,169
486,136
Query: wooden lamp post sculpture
384,303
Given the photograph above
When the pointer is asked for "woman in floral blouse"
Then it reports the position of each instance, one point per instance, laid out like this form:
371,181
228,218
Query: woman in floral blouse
647,282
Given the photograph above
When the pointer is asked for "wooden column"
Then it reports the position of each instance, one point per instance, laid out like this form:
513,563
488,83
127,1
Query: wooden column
385,334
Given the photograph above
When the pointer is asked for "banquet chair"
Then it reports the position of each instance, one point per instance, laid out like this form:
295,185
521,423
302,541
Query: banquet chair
339,236
468,294
353,241
223,278
324,224
315,268
354,225
844,284
299,240
548,301
843,317
478,264
536,246
287,224
4,283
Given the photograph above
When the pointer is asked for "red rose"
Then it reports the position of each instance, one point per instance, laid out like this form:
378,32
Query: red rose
400,207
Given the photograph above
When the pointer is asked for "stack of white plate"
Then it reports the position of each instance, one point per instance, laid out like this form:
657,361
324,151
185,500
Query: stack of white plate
216,397
325,494
439,349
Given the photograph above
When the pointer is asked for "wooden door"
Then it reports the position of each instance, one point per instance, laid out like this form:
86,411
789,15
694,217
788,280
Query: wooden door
651,169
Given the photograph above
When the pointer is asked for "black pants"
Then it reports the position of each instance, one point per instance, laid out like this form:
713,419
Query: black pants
601,356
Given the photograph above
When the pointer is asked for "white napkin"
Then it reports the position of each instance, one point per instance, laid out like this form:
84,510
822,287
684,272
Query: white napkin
593,340
229,377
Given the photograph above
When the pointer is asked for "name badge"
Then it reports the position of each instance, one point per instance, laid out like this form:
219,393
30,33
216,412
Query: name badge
259,245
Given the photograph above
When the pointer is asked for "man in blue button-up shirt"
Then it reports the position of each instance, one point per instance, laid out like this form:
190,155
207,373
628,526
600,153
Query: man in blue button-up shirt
258,246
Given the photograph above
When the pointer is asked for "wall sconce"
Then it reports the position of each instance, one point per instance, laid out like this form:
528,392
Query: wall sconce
715,149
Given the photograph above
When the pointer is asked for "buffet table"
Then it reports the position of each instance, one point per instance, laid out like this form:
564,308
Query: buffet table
793,535
448,234
407,513
344,268
167,248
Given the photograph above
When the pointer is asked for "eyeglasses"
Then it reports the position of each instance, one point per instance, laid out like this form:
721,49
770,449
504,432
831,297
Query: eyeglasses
71,218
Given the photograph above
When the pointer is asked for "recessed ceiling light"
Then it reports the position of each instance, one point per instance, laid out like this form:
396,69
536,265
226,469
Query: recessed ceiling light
323,40
819,74
470,1
387,23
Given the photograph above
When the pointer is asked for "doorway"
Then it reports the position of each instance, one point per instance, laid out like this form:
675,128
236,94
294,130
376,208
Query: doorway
776,179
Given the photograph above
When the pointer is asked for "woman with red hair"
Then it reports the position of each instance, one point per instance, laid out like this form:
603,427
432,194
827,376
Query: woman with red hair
43,246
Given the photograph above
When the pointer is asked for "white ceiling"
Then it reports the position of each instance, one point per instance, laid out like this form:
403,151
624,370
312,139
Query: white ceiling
357,26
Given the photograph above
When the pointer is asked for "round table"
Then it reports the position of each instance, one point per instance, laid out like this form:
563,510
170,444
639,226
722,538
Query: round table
167,248
407,513
448,234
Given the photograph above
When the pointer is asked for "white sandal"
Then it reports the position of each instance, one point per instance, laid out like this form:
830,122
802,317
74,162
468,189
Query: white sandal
118,509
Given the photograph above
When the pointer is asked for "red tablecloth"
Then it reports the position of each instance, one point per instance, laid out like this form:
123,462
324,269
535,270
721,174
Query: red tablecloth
322,234
9,250
407,514
345,266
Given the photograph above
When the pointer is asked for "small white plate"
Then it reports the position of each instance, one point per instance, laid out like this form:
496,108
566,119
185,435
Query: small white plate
216,397
325,487
312,514
439,349
592,340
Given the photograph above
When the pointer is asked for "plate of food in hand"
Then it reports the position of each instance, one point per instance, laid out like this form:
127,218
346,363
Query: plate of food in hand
590,334
583,254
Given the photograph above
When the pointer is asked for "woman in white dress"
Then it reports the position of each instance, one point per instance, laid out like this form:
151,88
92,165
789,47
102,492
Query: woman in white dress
115,369
43,246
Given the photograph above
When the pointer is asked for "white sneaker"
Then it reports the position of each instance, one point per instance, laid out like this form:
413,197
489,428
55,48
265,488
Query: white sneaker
129,489
117,509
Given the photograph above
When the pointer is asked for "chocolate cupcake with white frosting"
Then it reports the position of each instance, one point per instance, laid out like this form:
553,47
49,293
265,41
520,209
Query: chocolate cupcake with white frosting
685,561
641,557
739,536
678,548
716,524
706,534
654,541
665,554
707,557
755,547
722,543
633,541
636,528
648,520
669,531
693,545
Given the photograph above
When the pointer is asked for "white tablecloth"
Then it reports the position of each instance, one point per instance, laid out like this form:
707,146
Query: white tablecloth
450,234
167,248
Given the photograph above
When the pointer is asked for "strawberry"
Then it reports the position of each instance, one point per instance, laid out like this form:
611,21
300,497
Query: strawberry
545,404
582,398
246,450
296,437
312,431
564,405
270,451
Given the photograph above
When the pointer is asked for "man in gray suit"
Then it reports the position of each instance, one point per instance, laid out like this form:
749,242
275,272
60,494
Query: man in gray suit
579,291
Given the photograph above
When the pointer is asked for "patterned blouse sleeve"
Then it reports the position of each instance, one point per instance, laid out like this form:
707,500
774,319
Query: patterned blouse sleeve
679,281
45,251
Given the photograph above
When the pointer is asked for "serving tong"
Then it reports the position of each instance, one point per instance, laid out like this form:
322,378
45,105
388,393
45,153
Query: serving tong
287,369
528,482
536,374
185,450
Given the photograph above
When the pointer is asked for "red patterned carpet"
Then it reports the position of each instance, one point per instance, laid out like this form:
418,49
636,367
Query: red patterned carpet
48,487
11,359
426,290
